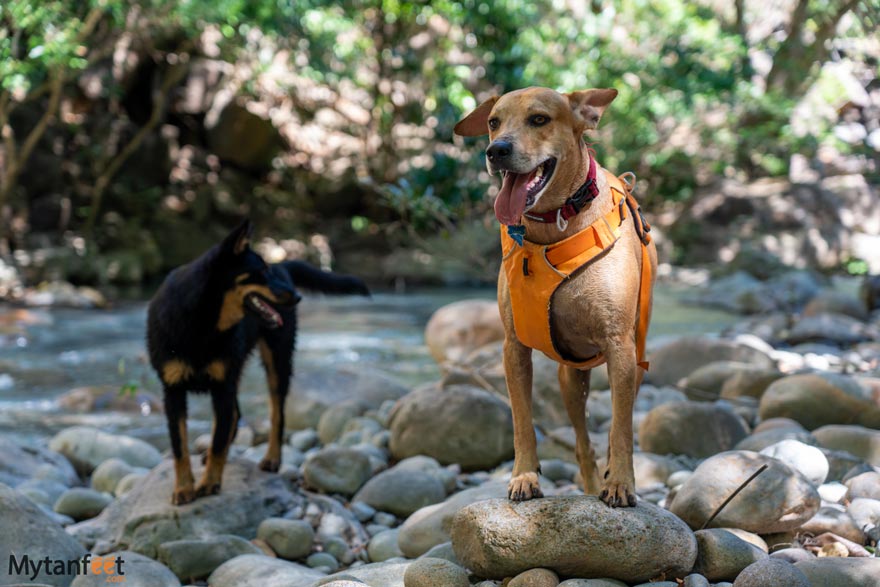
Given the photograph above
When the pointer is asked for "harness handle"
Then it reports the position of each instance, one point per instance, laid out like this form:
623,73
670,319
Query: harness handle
629,180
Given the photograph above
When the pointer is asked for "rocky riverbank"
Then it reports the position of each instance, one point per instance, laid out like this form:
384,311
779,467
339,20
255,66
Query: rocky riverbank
387,485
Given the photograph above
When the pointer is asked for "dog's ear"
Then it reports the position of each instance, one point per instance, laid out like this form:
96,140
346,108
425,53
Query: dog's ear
239,239
476,123
588,105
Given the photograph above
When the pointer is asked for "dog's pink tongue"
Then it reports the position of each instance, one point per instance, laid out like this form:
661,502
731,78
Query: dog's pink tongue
511,200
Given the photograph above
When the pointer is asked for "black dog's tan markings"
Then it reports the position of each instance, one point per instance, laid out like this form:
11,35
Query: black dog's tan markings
203,323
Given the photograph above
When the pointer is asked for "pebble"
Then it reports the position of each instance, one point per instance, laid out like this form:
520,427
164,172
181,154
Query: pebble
290,539
362,511
435,572
695,580
866,485
833,492
793,555
107,475
303,440
385,519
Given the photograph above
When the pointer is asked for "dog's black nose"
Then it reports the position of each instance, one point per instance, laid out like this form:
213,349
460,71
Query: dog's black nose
499,151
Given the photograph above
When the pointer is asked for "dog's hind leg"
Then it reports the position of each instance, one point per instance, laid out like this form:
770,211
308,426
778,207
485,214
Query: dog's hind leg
619,483
518,371
226,417
575,386
278,363
175,411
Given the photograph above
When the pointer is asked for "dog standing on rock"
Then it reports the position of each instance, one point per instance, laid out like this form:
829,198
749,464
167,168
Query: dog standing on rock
202,325
577,273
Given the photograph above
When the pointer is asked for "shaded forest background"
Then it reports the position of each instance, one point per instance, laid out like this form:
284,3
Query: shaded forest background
135,134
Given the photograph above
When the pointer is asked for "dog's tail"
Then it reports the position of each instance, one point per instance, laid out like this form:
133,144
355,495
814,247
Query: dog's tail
310,277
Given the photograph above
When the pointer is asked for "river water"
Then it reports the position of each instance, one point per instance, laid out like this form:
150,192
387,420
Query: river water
47,352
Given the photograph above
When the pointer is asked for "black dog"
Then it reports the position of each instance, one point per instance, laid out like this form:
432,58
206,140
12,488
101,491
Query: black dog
203,323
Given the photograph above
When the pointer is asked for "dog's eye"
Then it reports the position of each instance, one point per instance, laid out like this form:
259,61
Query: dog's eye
538,120
494,123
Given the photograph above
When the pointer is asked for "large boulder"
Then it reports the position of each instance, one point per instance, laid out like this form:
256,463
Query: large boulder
20,462
681,357
28,531
144,517
778,500
817,400
858,440
432,525
695,429
87,448
459,328
463,425
574,536
317,390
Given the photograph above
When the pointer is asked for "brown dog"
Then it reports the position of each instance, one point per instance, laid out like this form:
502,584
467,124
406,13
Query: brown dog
599,306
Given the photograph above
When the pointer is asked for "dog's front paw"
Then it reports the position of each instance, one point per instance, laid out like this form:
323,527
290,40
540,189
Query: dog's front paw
271,465
204,489
523,487
183,495
618,494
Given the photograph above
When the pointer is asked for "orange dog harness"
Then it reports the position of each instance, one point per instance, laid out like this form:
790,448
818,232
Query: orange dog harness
534,273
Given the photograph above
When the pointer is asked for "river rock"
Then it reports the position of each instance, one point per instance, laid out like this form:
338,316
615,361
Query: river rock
384,574
604,582
107,398
866,485
27,530
431,525
758,441
830,301
709,379
771,572
81,504
384,546
816,400
829,519
721,555
575,536
334,419
435,572
337,470
858,440
319,389
290,539
865,512
108,474
457,329
793,555
777,500
464,425
257,570
751,382
535,578
681,357
86,448
809,460
651,469
835,329
140,571
695,429
401,491
841,572
144,517
20,462
196,559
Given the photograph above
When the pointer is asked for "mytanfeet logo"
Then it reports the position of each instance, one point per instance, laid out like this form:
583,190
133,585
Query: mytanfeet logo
109,567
